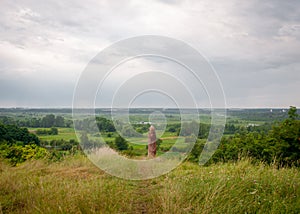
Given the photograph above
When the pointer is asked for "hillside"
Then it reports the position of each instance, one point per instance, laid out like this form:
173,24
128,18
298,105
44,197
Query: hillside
74,185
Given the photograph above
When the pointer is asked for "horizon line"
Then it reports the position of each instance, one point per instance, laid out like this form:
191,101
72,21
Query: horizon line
152,107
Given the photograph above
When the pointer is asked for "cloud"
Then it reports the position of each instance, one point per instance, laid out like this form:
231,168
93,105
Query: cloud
253,45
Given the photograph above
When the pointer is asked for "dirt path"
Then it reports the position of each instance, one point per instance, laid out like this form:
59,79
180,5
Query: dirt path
144,200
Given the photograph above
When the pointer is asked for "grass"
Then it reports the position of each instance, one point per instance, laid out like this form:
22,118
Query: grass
76,186
63,133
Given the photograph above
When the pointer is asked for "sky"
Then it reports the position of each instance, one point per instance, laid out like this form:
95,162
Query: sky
254,46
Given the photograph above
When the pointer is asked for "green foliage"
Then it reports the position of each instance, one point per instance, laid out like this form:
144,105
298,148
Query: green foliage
86,142
59,121
230,128
281,144
189,128
158,143
141,128
263,115
173,127
203,130
17,154
91,125
242,187
46,121
61,144
266,142
63,133
129,131
196,151
52,131
120,143
13,133
293,113
263,129
105,124
285,140
18,145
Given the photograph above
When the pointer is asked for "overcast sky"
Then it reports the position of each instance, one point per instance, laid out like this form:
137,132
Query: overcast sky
253,45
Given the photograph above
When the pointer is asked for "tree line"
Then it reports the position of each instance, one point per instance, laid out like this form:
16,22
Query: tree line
47,121
280,145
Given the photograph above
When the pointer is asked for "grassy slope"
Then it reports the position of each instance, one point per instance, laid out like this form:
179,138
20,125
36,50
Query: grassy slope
76,186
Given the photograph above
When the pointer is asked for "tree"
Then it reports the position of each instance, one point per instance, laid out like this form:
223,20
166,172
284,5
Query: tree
59,121
293,113
105,125
48,121
120,143
286,138
13,133
85,142
53,131
158,143
128,131
196,151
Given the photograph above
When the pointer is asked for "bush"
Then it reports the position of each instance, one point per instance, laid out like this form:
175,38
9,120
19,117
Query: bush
13,133
120,143
17,154
52,131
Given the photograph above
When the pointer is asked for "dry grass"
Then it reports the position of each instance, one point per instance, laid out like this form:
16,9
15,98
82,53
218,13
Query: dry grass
76,186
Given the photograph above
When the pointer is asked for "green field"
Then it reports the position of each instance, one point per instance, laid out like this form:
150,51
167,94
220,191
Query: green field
63,133
76,186
138,144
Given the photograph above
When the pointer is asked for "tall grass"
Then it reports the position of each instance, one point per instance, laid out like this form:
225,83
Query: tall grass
76,186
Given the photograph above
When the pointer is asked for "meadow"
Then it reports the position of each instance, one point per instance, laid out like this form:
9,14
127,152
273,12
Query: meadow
63,133
247,174
74,185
